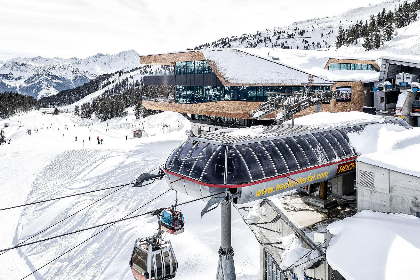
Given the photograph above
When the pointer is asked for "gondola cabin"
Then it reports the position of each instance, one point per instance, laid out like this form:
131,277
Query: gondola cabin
172,221
153,261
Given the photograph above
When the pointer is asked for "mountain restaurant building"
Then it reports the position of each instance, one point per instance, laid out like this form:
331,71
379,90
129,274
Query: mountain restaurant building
221,87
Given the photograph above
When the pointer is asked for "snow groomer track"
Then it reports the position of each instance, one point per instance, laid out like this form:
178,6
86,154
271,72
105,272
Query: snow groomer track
263,161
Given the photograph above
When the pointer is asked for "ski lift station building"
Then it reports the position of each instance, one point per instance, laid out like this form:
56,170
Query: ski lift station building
257,164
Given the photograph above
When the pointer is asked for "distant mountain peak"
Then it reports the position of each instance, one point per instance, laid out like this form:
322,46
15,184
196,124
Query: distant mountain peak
40,76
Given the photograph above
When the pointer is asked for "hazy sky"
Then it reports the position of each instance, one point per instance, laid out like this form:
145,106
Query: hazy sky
78,28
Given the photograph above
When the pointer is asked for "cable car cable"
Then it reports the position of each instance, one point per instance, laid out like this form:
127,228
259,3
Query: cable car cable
76,213
61,197
62,220
76,194
109,223
74,247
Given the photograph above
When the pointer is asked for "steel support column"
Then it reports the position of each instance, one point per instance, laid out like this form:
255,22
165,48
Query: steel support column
226,267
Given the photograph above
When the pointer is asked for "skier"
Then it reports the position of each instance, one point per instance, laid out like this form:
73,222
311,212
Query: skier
89,138
126,137
98,140
101,141
75,138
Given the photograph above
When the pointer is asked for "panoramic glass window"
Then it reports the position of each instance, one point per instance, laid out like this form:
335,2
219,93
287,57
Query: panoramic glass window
199,67
190,67
206,68
180,68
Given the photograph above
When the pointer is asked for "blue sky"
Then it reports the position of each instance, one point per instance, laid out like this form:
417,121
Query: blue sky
78,28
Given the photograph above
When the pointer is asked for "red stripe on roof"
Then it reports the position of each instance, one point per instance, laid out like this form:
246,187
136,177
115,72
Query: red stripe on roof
256,182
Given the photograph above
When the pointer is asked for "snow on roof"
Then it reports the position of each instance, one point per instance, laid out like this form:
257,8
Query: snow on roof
237,67
389,146
314,62
335,119
375,246
297,211
402,59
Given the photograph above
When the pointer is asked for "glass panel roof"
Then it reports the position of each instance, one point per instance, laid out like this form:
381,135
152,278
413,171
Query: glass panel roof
307,149
254,166
205,160
264,159
276,156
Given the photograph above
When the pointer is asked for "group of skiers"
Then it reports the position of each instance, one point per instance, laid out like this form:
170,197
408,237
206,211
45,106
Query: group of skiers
97,138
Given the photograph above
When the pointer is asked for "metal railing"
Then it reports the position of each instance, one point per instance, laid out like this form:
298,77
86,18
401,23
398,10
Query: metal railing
299,101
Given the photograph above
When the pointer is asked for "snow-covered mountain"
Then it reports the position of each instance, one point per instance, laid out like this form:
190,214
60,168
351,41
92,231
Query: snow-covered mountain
304,35
106,85
39,77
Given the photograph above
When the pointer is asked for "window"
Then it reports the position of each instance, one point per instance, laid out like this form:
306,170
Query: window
382,99
206,68
344,90
139,260
351,66
199,67
190,67
180,68
167,263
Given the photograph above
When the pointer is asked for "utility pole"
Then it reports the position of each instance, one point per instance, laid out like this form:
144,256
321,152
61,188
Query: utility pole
226,266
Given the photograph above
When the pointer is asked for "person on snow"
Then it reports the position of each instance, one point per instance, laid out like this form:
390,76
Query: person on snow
75,138
101,141
98,140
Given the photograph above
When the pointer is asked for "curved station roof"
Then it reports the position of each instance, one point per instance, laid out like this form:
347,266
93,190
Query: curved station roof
263,154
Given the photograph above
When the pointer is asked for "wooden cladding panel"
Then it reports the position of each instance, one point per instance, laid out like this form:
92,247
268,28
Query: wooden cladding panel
171,58
226,109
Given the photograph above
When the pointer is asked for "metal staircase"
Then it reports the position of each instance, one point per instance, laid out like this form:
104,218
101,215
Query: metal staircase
290,104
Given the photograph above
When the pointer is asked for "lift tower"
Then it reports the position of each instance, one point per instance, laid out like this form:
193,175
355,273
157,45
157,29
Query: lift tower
226,266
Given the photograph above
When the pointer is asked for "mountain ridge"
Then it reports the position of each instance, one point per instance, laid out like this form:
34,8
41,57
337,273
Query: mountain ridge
40,77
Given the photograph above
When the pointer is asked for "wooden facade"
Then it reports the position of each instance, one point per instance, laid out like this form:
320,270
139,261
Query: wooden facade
242,109
171,58
224,109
